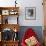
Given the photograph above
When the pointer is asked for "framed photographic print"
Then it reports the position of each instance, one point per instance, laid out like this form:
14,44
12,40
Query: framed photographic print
5,12
30,13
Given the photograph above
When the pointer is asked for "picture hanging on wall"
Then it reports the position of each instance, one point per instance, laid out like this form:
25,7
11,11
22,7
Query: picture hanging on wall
30,13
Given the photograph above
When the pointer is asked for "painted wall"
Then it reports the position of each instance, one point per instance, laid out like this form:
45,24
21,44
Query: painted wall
37,29
39,13
25,3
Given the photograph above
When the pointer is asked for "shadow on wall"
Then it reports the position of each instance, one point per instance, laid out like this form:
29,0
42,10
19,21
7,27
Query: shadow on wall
37,29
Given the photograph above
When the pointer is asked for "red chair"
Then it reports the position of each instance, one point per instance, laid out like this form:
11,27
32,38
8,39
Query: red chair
29,33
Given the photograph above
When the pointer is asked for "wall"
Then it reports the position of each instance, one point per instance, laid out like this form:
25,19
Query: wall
28,3
25,3
39,13
6,3
37,30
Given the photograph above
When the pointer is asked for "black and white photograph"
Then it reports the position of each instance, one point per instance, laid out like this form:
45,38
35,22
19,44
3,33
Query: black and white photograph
30,13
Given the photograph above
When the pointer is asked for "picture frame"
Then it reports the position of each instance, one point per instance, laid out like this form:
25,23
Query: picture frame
5,12
13,12
30,13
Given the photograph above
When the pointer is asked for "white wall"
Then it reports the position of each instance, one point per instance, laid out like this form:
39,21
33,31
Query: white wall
27,3
39,12
7,3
